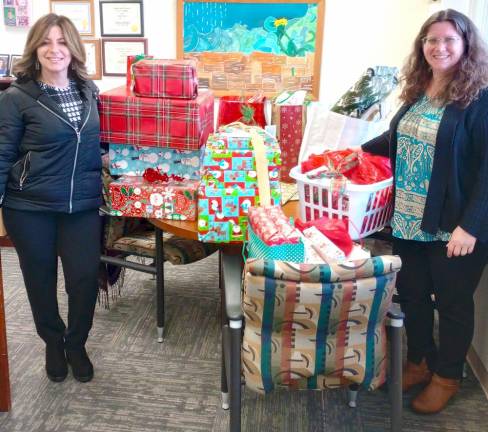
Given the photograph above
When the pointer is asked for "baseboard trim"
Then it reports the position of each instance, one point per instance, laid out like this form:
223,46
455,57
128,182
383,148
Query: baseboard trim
479,369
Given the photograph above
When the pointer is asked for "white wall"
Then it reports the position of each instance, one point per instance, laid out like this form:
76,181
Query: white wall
357,34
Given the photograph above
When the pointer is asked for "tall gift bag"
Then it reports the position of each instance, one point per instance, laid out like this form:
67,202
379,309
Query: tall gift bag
290,123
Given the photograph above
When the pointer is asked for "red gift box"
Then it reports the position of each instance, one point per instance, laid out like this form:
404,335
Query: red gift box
182,124
236,108
290,125
136,197
166,78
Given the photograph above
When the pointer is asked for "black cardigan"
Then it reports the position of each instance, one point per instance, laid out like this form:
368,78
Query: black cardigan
458,189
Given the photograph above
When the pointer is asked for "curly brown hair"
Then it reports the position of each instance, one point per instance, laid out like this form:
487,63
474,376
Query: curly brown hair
471,75
26,69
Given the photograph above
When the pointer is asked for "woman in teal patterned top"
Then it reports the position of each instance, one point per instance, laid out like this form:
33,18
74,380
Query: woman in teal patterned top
438,146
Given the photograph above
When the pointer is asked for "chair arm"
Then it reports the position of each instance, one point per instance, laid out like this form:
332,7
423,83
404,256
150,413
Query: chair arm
232,279
395,316
104,210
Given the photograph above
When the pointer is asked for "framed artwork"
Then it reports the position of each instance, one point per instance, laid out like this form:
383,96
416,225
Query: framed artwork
121,18
93,52
81,12
4,63
17,13
253,46
115,52
14,58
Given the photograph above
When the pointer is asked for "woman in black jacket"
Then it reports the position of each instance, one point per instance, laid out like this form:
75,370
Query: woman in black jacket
438,146
50,187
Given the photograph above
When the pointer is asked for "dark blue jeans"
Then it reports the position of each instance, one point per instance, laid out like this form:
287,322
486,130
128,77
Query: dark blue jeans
39,238
426,270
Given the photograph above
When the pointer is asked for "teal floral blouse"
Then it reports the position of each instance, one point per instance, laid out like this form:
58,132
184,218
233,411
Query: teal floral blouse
416,137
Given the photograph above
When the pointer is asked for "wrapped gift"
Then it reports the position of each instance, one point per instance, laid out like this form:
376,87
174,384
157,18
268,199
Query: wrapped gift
182,124
166,78
136,197
271,225
290,123
131,61
248,110
127,159
231,183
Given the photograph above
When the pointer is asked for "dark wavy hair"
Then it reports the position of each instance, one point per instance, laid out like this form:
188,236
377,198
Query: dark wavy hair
469,78
25,68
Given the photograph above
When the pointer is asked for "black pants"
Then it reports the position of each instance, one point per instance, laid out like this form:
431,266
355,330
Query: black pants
39,238
426,270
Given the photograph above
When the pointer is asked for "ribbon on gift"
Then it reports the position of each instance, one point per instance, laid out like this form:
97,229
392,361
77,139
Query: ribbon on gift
152,175
262,171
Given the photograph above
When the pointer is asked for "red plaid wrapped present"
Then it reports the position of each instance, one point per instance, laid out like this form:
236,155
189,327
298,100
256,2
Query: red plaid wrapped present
182,124
290,124
136,197
166,78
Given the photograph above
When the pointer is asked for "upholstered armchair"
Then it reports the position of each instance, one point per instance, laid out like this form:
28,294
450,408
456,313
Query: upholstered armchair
305,326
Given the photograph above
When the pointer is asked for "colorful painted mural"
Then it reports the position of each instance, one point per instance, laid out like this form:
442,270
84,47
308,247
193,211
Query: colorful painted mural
247,47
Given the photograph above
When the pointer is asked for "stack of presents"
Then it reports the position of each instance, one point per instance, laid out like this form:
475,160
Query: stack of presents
169,163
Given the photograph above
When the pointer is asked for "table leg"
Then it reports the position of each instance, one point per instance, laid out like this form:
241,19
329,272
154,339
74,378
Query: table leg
159,283
5,401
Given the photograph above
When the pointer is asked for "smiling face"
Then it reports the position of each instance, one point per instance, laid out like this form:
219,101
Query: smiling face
54,56
443,48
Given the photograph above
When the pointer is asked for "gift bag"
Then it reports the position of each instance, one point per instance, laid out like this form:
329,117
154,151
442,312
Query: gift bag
247,110
290,123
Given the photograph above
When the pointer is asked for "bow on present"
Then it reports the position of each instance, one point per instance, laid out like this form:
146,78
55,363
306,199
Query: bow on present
152,175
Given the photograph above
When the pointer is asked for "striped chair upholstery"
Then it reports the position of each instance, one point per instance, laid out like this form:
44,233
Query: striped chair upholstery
316,326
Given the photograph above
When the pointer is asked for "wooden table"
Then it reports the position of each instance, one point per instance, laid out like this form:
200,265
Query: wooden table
5,400
189,229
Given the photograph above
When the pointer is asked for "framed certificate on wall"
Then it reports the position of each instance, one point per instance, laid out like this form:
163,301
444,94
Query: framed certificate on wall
81,12
93,58
115,52
121,18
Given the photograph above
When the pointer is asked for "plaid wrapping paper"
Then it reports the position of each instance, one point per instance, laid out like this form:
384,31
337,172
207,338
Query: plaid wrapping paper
135,197
182,124
166,78
290,123
230,185
314,326
126,159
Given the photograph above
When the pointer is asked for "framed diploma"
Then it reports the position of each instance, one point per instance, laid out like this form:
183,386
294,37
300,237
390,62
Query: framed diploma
115,52
121,18
93,58
81,12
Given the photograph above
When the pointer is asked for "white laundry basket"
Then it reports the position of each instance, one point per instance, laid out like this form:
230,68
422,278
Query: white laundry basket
368,208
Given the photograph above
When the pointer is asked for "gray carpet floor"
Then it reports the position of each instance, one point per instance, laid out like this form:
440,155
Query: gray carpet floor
143,386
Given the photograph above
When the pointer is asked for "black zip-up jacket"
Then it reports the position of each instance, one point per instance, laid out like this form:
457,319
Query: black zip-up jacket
458,188
45,163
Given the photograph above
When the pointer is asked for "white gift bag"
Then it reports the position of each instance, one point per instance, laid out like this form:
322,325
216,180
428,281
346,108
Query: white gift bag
328,130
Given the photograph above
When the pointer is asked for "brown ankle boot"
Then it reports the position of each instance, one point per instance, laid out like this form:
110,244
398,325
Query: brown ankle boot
435,396
414,374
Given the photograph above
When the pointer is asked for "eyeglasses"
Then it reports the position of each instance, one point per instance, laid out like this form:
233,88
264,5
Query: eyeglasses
433,41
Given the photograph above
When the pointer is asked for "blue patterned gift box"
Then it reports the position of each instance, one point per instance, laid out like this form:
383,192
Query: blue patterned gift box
229,183
126,159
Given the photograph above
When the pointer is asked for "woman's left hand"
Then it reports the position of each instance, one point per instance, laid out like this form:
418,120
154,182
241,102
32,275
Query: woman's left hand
461,243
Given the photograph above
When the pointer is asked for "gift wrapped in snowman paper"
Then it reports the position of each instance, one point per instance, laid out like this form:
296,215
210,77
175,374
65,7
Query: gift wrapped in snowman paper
131,160
241,168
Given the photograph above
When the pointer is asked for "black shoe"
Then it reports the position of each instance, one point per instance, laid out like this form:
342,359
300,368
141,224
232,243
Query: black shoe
81,365
56,366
